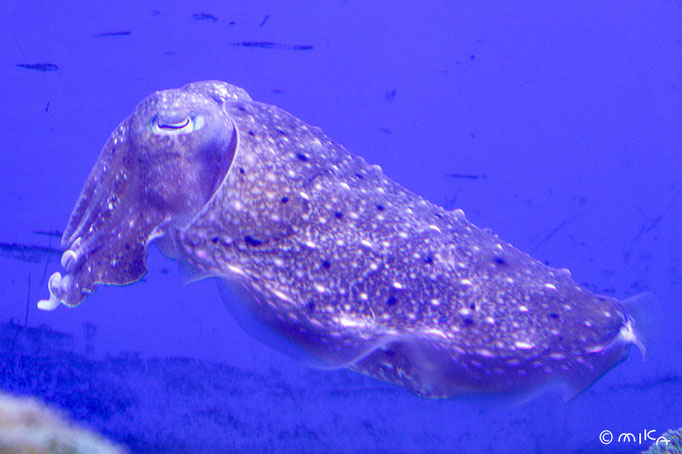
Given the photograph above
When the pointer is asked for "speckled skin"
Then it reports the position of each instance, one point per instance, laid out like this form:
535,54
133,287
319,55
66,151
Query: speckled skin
332,255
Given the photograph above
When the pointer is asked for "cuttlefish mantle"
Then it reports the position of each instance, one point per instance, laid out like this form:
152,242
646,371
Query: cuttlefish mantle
345,266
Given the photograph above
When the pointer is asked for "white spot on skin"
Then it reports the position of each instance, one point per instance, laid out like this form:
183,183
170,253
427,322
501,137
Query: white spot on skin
319,288
550,286
523,345
282,296
435,331
397,285
523,308
347,321
434,228
363,296
366,243
435,302
236,270
344,186
595,348
466,282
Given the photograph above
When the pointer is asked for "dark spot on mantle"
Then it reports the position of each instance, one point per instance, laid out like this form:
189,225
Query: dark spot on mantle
251,241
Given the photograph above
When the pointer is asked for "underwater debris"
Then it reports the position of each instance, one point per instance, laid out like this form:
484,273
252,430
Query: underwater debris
669,379
385,130
53,233
271,45
43,67
27,253
265,19
204,17
107,34
466,176
28,299
650,226
390,95
556,229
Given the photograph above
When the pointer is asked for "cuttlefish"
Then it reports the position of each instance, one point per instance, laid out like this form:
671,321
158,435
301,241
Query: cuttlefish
333,262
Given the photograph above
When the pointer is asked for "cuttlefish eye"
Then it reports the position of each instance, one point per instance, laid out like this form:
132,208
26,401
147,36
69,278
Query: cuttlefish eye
175,123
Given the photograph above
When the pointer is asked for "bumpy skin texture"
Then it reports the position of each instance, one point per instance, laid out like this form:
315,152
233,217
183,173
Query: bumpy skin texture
329,253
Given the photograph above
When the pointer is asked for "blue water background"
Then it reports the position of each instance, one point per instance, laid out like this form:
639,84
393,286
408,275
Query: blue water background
558,124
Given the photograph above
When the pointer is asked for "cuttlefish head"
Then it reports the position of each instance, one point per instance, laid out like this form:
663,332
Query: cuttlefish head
157,170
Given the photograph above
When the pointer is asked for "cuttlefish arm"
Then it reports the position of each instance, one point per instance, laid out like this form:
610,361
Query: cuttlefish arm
157,169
